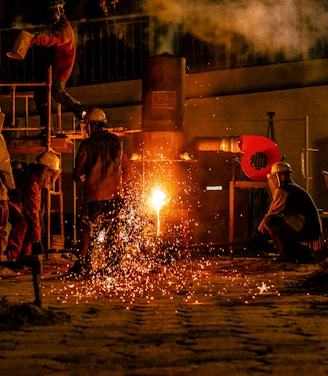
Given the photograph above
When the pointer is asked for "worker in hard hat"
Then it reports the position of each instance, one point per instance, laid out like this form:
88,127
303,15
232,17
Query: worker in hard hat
98,165
25,215
55,47
292,219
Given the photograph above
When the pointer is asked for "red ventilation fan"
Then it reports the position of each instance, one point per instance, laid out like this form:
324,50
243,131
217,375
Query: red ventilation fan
260,153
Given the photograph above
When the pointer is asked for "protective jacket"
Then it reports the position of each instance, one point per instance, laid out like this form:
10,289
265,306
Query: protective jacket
60,37
6,177
99,162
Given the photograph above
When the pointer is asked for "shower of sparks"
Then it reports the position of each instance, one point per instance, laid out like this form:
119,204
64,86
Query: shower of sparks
151,276
263,288
132,261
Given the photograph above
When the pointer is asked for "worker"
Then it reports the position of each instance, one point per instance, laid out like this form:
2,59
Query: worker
55,47
7,185
25,216
98,164
292,218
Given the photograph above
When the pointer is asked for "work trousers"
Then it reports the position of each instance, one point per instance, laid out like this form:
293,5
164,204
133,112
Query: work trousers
286,240
4,213
19,243
106,208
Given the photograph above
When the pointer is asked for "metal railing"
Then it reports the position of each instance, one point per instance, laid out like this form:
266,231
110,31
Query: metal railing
114,48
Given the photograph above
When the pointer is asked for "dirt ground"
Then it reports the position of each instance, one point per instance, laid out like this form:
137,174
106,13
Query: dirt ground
200,316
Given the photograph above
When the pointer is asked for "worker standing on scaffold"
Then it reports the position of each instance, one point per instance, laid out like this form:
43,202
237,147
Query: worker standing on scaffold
55,47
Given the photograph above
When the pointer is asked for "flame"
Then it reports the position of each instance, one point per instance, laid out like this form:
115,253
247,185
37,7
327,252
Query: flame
158,199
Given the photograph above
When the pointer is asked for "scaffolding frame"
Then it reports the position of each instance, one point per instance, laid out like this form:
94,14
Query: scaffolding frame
56,191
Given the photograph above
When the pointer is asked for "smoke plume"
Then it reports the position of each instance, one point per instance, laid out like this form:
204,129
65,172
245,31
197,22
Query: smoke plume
288,26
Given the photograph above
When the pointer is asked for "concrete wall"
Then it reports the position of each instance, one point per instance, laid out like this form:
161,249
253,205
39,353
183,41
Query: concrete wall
236,102
232,103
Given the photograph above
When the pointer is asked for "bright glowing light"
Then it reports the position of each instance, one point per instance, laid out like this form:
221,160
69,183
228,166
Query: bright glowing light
158,199
101,236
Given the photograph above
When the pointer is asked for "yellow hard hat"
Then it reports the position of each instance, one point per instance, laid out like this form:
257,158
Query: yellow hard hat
95,115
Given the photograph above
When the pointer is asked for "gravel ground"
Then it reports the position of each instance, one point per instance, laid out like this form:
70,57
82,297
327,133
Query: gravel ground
200,316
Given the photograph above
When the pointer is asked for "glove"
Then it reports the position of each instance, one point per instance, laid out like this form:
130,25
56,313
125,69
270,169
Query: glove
37,248
14,196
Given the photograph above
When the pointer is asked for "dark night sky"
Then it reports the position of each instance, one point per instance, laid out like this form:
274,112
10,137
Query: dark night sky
301,23
11,10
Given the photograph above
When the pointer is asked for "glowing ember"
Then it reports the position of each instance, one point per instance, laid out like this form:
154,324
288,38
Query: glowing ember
132,261
158,200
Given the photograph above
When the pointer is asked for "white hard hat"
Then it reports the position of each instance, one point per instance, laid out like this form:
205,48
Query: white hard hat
281,167
50,160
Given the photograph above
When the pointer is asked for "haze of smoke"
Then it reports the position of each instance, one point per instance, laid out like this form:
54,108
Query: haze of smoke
288,26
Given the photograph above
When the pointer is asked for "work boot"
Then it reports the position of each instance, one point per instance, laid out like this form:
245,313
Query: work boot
10,255
258,243
303,254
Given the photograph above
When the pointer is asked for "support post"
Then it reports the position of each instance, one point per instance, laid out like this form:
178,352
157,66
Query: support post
243,185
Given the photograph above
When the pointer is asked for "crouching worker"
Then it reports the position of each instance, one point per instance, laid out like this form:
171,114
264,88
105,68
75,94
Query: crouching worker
25,216
292,218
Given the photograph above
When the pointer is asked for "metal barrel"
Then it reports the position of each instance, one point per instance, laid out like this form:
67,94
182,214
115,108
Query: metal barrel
20,44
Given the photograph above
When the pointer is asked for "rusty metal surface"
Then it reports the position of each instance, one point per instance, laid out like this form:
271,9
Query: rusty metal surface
38,145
